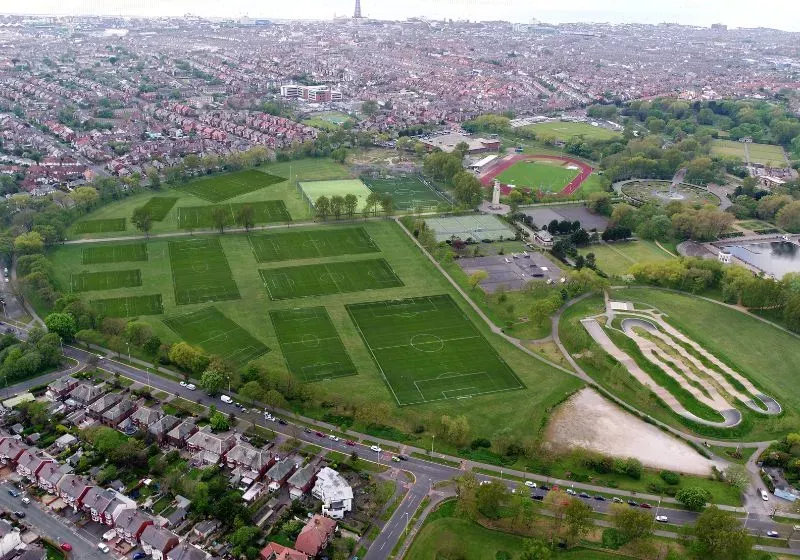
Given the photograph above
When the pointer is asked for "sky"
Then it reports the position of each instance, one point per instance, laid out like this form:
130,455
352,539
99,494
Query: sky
779,14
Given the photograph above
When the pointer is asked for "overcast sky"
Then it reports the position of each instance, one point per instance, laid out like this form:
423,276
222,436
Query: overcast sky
780,14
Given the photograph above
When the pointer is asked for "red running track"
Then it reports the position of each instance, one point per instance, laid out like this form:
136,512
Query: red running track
586,170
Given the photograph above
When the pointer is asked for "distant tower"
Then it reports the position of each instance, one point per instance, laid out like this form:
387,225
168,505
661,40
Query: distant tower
357,12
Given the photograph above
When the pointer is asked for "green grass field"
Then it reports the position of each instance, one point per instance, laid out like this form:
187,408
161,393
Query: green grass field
200,271
617,258
312,190
217,188
217,335
428,350
408,193
129,306
100,226
759,153
566,130
544,175
332,278
106,280
266,212
291,245
310,344
159,206
101,254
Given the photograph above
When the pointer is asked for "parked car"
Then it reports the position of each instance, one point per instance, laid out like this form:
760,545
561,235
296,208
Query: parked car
307,430
13,493
616,500
537,497
544,487
19,514
773,534
662,518
530,484
584,495
764,495
191,386
632,503
66,546
395,458
139,555
645,506
350,442
571,492
226,399
375,448
319,434
282,422
26,500
103,547
182,383
600,498
402,457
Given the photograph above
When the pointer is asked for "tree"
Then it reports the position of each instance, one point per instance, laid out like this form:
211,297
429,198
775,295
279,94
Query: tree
62,324
515,198
219,215
737,476
787,218
28,243
252,390
138,332
142,219
455,429
720,536
599,203
373,199
337,206
212,380
218,421
476,278
632,523
466,491
246,216
556,502
489,497
84,196
578,519
350,205
693,498
188,357
369,107
387,205
536,549
322,207
154,177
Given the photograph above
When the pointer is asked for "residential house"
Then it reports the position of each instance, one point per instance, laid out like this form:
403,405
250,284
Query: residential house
10,450
145,416
30,462
65,441
275,551
206,528
60,388
9,538
302,480
117,507
49,477
255,491
101,405
119,412
130,524
162,426
105,505
248,463
157,541
84,394
210,448
185,551
334,492
279,472
178,435
72,488
316,534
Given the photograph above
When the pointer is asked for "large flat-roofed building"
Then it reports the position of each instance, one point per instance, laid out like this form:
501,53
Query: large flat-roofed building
448,142
317,94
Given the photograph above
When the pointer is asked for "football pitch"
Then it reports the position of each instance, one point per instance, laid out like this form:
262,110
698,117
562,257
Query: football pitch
265,212
135,252
327,279
312,190
544,175
407,193
290,245
310,344
217,335
428,350
106,280
200,271
222,187
159,206
131,306
100,226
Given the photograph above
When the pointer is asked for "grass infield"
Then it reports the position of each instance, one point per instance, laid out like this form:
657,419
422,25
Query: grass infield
106,280
100,226
159,206
428,350
544,175
200,271
101,254
273,247
130,306
217,335
407,193
266,212
310,344
327,279
223,187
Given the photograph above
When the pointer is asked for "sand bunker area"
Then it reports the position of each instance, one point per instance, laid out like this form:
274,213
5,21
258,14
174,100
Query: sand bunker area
589,421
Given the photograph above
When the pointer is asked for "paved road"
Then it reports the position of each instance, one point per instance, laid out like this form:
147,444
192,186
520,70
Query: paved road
396,527
51,527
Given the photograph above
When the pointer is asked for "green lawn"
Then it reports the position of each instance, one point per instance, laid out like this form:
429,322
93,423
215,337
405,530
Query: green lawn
310,344
302,244
408,193
159,206
200,271
331,278
129,306
217,188
428,350
118,252
759,153
264,212
566,130
106,280
617,258
544,175
100,226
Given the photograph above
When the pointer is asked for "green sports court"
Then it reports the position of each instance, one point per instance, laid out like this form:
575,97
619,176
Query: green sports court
291,245
312,190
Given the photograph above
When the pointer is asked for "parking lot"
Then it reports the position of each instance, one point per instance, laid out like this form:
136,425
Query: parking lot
513,271
543,215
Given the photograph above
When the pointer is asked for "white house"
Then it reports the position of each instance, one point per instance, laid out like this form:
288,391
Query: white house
335,493
9,538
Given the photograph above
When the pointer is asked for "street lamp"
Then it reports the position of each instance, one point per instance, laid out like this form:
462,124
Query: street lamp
406,523
433,437
128,344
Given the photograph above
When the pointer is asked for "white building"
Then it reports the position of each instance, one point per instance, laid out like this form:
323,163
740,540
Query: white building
9,538
335,493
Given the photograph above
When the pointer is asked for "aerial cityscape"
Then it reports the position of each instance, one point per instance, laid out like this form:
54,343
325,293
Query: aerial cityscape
424,281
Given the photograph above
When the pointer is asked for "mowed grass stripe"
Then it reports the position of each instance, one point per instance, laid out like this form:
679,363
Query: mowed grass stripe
159,206
102,254
428,350
100,226
407,193
291,245
326,279
264,212
106,280
223,187
545,175
217,335
310,344
200,271
130,306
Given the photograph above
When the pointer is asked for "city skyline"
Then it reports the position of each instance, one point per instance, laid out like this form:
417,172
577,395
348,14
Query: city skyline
736,13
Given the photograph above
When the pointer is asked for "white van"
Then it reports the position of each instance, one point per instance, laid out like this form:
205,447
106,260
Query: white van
226,399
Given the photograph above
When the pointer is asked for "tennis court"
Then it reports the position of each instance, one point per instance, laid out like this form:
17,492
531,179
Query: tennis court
476,227
290,245
310,344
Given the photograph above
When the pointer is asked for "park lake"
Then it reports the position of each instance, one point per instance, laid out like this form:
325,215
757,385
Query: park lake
776,258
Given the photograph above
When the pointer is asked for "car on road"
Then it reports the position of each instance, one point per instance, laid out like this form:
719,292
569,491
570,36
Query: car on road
19,514
600,498
226,399
103,547
645,506
584,495
375,448
268,416
662,518
537,497
307,430
544,487
616,500
773,534
632,503
26,500
571,492
282,422
402,457
183,384
66,546
350,442
13,493
319,434
395,458
139,555
530,484
764,495
191,386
